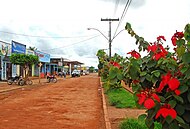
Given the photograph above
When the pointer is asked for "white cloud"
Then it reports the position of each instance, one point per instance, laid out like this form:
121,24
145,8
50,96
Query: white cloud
61,18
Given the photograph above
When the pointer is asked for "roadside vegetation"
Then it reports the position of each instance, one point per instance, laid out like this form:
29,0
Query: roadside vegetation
136,124
120,98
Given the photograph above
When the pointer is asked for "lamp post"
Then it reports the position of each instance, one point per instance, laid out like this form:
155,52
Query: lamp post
108,39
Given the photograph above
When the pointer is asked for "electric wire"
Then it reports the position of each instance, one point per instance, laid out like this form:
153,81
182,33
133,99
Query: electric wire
123,15
35,36
72,44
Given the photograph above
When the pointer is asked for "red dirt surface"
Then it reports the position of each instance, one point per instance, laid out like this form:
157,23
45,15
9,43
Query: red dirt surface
68,104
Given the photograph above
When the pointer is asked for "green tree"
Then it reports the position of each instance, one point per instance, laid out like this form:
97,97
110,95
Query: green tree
91,69
24,61
32,48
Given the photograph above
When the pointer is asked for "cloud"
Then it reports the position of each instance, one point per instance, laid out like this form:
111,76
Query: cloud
134,3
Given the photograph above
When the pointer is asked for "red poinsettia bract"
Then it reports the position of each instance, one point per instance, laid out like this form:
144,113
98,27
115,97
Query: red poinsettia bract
147,99
161,37
134,54
173,83
165,111
177,35
116,64
158,50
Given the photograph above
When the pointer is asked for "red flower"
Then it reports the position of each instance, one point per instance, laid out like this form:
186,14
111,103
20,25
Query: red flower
136,81
177,35
146,98
155,96
173,83
142,98
161,37
165,111
134,54
164,81
174,40
177,92
159,55
152,48
158,50
149,103
116,64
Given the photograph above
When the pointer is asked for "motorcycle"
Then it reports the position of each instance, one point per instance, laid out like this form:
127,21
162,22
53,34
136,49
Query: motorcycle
51,78
16,80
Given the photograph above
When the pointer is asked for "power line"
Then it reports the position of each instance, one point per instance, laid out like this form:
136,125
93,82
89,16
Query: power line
123,14
35,36
71,44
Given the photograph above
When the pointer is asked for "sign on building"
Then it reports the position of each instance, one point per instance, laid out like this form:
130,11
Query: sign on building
43,57
18,48
5,48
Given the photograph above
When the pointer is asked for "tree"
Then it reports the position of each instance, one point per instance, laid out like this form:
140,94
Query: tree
24,61
91,69
32,48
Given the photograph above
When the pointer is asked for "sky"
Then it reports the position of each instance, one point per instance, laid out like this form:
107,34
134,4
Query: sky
59,27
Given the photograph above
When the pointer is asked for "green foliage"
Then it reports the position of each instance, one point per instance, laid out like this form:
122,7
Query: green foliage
136,124
23,60
120,98
91,69
160,74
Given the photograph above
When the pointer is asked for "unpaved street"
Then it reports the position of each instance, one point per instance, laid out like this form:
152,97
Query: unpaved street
68,104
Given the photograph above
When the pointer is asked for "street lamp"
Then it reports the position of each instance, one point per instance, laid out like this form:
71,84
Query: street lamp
109,39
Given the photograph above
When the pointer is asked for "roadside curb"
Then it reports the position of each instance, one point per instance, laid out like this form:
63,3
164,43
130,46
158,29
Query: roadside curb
106,117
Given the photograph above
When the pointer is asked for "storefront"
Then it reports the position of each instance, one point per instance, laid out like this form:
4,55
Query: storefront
5,65
44,59
17,48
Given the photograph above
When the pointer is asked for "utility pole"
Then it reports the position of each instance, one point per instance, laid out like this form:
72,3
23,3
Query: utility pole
110,39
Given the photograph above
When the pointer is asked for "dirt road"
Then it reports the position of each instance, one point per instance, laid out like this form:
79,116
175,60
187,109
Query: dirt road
68,104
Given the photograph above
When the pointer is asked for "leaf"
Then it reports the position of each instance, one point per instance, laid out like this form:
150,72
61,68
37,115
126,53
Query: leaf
180,51
119,76
186,58
180,120
156,73
135,88
149,122
184,69
173,126
128,26
183,89
148,77
188,96
142,117
169,119
180,99
180,109
185,126
172,103
112,73
143,73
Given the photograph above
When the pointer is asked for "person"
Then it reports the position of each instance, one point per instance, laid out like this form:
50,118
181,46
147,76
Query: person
64,74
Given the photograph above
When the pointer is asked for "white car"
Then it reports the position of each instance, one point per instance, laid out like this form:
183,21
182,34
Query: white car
76,73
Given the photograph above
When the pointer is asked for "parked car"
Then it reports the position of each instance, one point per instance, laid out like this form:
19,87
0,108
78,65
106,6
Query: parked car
76,73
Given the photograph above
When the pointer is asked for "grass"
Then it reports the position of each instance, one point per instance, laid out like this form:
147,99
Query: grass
136,124
120,98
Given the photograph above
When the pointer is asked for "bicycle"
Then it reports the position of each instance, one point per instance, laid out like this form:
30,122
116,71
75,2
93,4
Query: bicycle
28,81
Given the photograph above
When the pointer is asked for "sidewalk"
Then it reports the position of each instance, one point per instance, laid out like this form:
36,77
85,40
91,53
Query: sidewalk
4,87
